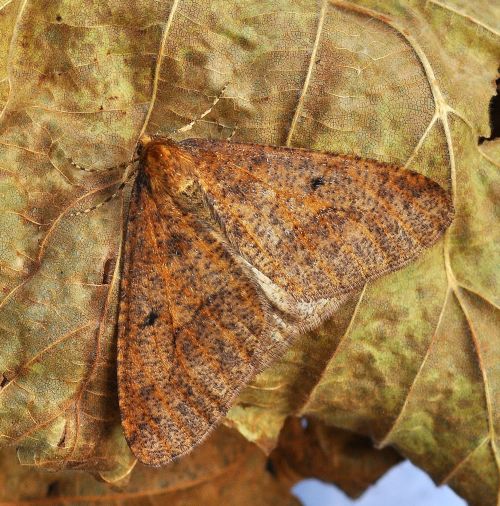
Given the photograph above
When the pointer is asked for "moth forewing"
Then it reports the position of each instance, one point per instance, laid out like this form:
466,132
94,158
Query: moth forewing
233,249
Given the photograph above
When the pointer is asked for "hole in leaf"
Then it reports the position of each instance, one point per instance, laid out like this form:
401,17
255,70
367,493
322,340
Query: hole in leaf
62,440
4,381
107,272
270,468
494,116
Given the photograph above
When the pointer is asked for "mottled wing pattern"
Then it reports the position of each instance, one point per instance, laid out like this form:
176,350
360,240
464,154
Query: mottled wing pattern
192,329
230,250
319,225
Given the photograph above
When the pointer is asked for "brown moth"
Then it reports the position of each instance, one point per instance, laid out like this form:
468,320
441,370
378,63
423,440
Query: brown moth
231,251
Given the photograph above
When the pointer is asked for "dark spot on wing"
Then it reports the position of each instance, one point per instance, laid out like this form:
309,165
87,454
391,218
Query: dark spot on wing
150,319
316,182
175,244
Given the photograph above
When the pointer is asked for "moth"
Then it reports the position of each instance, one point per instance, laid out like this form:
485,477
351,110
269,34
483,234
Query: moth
231,251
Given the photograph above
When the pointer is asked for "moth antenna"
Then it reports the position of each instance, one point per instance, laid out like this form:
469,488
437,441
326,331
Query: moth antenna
107,199
190,125
119,166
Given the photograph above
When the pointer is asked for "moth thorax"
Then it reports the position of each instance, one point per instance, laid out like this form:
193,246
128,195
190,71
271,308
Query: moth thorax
172,170
188,195
182,185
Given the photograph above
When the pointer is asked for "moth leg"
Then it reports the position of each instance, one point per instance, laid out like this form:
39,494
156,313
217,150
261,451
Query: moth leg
115,194
123,165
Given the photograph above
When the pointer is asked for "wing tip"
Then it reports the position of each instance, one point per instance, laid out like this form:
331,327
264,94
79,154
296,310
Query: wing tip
446,214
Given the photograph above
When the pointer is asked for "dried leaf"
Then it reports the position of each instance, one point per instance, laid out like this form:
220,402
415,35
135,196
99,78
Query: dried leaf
224,470
309,449
410,363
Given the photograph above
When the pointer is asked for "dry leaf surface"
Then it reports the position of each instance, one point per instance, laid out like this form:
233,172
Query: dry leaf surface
410,362
310,449
226,469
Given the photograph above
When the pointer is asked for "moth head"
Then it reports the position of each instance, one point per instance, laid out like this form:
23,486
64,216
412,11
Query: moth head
170,168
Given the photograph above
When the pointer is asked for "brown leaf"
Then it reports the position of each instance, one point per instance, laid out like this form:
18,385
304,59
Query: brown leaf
224,470
329,454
